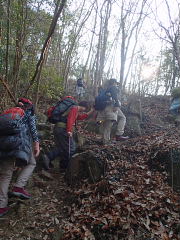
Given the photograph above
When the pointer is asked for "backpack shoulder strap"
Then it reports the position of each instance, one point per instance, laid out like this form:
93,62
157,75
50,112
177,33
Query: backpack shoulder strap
67,111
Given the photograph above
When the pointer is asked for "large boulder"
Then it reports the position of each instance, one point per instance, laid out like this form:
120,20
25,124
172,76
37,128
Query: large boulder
85,165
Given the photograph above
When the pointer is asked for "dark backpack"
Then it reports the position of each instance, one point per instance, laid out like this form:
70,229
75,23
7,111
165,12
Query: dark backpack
102,100
55,113
11,121
11,128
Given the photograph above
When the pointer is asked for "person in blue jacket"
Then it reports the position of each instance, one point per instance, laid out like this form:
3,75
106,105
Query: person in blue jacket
25,152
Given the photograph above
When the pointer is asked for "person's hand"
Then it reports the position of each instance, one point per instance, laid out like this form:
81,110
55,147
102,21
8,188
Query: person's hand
69,134
91,111
36,149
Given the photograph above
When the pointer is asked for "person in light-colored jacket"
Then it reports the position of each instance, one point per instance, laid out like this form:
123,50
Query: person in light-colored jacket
112,113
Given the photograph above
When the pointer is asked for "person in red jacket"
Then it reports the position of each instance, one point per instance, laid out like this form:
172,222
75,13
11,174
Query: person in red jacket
63,135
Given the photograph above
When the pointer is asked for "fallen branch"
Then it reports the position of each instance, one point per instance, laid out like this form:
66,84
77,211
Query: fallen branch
8,89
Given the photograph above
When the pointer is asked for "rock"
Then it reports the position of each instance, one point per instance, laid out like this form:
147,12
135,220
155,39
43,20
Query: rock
85,165
133,126
169,160
133,116
79,139
92,127
38,182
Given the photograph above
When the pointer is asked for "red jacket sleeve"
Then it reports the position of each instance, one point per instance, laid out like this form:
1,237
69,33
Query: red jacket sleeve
82,116
72,117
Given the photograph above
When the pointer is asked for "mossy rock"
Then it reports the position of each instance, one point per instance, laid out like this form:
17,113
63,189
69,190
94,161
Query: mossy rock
133,128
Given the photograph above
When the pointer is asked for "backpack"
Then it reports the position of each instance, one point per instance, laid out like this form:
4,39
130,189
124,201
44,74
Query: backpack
102,100
11,121
55,113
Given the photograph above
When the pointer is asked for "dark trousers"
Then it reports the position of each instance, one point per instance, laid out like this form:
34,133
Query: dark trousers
65,147
54,153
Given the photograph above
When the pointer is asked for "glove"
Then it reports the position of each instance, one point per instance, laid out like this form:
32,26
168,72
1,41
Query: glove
69,134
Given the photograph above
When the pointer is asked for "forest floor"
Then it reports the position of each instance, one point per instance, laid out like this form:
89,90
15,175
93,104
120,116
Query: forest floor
134,200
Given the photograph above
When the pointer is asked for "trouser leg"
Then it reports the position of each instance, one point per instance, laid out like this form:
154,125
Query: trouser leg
121,123
26,173
107,126
66,145
6,171
68,150
54,153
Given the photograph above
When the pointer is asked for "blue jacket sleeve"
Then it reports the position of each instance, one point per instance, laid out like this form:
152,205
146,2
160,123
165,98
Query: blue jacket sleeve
32,127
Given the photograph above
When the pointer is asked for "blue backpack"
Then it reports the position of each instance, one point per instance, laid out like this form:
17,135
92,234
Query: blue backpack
102,100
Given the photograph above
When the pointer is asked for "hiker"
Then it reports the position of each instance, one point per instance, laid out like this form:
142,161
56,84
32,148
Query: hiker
63,135
175,105
23,155
110,112
80,88
175,101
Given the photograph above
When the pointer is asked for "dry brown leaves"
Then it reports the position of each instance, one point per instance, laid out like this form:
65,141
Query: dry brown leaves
133,201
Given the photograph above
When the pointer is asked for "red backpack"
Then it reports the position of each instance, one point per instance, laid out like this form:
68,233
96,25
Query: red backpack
11,121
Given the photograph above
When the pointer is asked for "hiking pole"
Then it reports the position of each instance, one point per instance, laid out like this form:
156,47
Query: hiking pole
69,152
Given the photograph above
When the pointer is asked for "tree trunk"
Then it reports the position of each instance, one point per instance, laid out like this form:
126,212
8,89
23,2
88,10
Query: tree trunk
7,39
57,13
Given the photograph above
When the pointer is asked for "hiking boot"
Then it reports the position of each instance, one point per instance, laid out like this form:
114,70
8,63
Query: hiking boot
121,138
46,162
3,211
21,193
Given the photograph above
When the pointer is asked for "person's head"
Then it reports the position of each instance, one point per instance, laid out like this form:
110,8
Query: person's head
25,104
112,82
100,88
83,106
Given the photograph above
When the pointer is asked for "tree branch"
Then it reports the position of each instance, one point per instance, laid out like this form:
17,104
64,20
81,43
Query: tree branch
8,89
50,33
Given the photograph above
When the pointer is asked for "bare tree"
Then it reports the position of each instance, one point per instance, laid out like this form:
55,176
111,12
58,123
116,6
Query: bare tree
172,37
76,36
21,18
57,12
131,22
105,13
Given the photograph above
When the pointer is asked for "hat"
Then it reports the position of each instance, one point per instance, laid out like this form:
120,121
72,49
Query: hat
112,81
25,101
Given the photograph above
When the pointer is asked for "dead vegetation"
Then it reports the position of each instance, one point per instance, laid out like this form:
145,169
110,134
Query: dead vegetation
134,198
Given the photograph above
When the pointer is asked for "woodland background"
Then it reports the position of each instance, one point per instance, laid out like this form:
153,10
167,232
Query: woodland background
46,45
